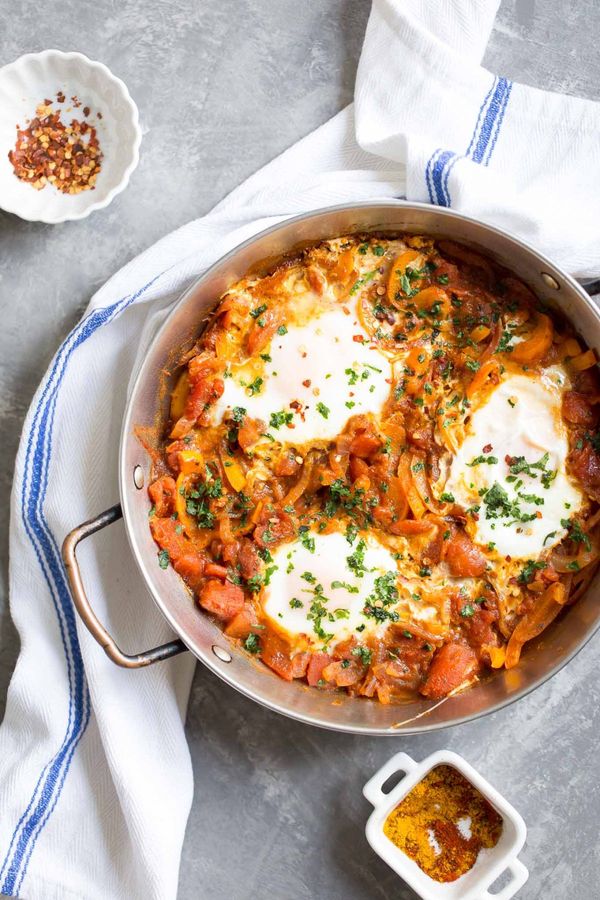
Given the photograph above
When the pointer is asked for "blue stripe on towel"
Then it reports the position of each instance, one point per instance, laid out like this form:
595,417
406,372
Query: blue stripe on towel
481,146
33,494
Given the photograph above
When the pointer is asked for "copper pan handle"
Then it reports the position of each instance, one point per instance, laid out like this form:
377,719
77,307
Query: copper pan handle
83,606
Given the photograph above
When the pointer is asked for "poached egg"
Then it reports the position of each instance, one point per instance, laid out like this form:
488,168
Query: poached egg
318,367
510,471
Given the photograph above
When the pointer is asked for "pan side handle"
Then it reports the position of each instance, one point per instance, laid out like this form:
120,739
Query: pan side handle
84,608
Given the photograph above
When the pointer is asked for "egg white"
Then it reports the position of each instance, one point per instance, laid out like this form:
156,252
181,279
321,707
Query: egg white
326,565
520,418
313,364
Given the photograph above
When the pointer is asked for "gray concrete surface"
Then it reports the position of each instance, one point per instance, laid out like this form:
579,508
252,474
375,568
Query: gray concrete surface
277,810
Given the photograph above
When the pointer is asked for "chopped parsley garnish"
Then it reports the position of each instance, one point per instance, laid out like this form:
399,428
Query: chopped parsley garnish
519,464
258,311
504,345
368,276
255,386
468,611
385,593
443,279
344,584
479,460
163,559
282,330
351,533
364,654
308,576
252,643
295,603
318,612
323,410
356,560
307,541
196,505
528,571
446,497
576,533
280,418
498,505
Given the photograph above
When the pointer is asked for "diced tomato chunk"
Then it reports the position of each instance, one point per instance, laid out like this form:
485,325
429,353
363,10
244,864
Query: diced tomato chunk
452,665
275,526
365,444
463,558
576,409
214,570
276,653
299,664
263,330
314,672
204,392
585,465
191,569
248,558
222,599
411,526
241,624
249,432
168,535
162,493
343,673
479,628
358,468
287,465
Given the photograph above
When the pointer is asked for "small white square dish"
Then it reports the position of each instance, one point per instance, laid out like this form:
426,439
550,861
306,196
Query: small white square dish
92,94
490,863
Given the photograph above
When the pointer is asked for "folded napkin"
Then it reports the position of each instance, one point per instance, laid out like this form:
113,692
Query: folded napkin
95,775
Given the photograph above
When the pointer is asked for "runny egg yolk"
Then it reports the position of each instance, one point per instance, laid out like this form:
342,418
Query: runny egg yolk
509,472
319,586
318,367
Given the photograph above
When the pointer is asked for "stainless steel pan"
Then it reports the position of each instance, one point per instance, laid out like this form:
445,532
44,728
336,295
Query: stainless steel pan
148,407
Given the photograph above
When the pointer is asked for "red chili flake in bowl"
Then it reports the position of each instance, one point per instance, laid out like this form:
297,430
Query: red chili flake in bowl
49,152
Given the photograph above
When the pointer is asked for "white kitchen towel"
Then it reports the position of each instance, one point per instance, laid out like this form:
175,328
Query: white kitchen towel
95,776
523,159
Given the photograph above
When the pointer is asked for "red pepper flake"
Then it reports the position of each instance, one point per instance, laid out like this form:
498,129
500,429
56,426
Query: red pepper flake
358,339
307,383
488,448
49,152
60,98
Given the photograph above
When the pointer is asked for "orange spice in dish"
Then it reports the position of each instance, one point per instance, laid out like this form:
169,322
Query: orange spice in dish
443,823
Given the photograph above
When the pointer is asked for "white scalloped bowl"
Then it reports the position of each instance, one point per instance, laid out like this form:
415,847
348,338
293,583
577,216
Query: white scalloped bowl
25,84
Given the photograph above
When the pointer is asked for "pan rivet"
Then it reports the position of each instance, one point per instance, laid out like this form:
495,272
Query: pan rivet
550,281
138,477
221,654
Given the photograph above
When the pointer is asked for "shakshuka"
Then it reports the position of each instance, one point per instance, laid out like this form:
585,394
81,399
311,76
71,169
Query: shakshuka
381,471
